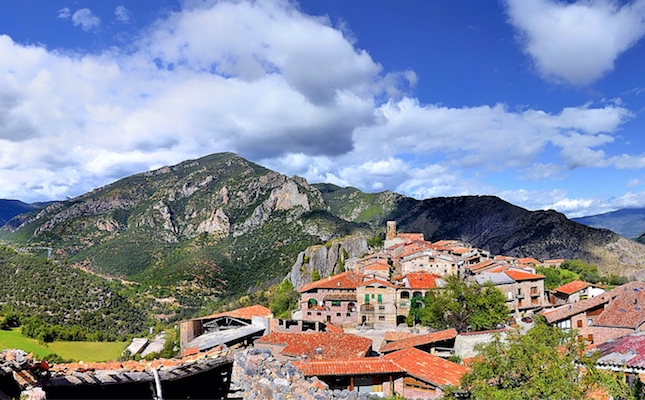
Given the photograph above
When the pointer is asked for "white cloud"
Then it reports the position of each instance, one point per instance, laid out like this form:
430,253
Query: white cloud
272,84
576,42
64,13
85,19
122,14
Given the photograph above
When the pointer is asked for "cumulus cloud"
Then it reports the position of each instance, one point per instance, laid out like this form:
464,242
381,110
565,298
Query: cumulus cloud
280,87
85,19
576,42
122,14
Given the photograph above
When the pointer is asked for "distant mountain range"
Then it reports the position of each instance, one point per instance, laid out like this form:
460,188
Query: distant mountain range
221,224
626,222
11,208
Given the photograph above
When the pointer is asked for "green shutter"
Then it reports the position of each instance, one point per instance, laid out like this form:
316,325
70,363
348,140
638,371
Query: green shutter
367,298
380,298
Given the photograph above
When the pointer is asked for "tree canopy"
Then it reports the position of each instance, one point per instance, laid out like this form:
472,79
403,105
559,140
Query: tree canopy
463,306
543,363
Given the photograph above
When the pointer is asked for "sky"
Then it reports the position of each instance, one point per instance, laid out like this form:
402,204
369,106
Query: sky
539,102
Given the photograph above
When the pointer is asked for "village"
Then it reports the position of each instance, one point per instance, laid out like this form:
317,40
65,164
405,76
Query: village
350,337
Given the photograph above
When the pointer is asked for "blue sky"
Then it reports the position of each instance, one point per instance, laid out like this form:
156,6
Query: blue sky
539,102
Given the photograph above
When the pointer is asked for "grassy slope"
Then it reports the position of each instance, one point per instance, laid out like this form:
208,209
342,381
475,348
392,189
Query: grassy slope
85,351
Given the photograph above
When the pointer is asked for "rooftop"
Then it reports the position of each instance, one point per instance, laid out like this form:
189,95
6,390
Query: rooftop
627,351
428,367
572,287
418,280
346,280
243,313
363,366
419,340
334,345
627,310
523,276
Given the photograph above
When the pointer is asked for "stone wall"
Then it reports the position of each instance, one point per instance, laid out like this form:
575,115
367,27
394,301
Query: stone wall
257,375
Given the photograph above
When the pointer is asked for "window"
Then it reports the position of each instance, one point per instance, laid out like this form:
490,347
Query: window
318,313
405,295
335,303
579,323
381,308
509,295
590,339
308,312
566,324
348,315
367,298
380,298
338,314
589,322
381,318
534,290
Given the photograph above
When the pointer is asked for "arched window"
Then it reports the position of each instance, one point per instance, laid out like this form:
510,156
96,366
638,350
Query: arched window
312,303
417,294
405,294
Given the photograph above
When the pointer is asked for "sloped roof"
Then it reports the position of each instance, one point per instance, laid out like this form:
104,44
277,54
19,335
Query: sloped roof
340,297
419,280
627,310
334,345
523,276
498,278
362,366
419,340
345,280
378,282
391,336
243,313
482,266
569,310
427,367
376,266
627,351
572,287
529,260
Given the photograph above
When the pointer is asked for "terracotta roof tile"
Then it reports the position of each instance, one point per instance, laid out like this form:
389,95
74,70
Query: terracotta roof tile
363,366
627,351
568,310
334,345
419,340
427,367
523,276
572,287
243,313
392,336
347,280
419,280
627,310
339,297
378,281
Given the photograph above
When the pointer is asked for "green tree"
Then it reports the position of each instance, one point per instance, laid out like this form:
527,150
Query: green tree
463,306
315,275
543,363
285,300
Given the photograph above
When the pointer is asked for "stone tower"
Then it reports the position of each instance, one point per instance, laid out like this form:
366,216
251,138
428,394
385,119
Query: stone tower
391,230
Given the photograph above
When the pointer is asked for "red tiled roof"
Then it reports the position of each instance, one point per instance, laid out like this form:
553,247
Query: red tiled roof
363,366
529,260
572,287
482,266
419,280
627,351
427,367
523,276
334,345
419,340
569,310
346,280
391,336
339,297
461,250
376,267
243,313
627,310
334,328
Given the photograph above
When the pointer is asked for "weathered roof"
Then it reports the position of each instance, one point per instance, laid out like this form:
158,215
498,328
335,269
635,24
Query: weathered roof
427,367
334,345
419,340
345,280
226,336
496,278
362,366
523,276
243,313
572,287
627,310
568,310
378,282
627,351
340,297
391,336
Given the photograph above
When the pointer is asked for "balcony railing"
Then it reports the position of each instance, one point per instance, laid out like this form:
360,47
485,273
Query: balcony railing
367,308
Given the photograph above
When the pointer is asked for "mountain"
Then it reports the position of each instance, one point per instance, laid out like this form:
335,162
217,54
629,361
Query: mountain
11,208
492,224
219,224
626,222
211,228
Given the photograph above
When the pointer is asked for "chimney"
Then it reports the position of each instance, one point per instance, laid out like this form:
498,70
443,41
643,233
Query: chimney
318,354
